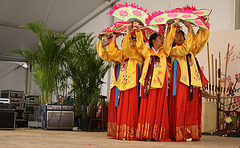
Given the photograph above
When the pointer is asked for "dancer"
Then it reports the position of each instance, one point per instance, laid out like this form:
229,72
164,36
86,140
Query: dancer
127,83
185,78
153,118
112,110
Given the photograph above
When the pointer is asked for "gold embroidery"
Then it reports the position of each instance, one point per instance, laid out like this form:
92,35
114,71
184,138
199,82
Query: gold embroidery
150,131
125,132
112,128
185,132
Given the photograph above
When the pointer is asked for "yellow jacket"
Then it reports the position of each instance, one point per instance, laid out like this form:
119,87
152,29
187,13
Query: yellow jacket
127,76
192,45
103,54
164,51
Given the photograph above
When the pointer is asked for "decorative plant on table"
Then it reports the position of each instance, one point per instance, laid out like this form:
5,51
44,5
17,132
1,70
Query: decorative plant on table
51,50
87,71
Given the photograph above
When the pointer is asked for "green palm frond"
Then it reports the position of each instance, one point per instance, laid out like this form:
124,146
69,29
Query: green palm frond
51,51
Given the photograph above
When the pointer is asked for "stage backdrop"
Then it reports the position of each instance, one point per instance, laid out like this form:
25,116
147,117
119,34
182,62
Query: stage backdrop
218,42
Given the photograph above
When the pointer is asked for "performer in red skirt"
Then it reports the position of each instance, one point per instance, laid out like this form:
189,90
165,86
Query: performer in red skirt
153,120
127,114
112,110
185,85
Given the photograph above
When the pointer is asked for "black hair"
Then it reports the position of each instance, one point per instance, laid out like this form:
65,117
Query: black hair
152,37
174,44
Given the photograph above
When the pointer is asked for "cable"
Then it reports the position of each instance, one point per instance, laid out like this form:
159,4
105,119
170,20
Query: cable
11,71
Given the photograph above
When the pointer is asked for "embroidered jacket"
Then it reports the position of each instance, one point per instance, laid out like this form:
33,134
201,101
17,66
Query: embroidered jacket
131,57
192,45
103,54
160,67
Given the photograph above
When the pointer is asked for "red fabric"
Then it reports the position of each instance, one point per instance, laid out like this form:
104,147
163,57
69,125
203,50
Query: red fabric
203,78
127,114
112,114
112,111
184,115
153,120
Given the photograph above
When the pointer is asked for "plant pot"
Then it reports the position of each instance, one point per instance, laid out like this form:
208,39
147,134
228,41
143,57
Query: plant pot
83,124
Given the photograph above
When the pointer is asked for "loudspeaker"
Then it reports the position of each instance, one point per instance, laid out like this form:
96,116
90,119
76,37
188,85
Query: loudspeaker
60,120
58,117
7,119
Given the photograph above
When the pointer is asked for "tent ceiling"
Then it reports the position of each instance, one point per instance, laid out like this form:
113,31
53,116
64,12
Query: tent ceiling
63,16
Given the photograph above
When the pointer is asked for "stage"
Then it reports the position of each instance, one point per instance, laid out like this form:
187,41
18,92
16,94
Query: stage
26,137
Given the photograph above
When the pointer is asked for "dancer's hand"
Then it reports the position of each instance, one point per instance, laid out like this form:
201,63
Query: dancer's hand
129,28
114,35
176,23
136,24
99,36
189,26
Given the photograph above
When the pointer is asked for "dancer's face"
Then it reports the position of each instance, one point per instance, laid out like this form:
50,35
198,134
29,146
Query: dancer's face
158,42
179,38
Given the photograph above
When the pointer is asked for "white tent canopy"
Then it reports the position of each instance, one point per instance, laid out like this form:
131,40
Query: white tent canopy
63,16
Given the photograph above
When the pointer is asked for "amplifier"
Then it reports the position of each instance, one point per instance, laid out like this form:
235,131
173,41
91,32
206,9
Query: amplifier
12,94
7,107
4,101
59,117
60,107
7,119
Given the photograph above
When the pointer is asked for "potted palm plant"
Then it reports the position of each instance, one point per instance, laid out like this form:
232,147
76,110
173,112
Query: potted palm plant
51,50
86,70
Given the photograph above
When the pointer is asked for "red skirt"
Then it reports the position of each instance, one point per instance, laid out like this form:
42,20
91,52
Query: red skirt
112,110
112,114
153,122
127,114
184,115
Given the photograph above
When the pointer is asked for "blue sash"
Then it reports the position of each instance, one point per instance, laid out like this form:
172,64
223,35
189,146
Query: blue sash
116,95
174,77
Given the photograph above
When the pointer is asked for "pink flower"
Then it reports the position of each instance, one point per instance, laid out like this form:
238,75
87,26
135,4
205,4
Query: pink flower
123,13
160,19
198,22
124,81
186,16
130,81
159,72
172,15
137,13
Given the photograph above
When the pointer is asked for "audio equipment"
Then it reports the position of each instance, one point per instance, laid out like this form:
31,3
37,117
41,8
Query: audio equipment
4,101
7,116
58,116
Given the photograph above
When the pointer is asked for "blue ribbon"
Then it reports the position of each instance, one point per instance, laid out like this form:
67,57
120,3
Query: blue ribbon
138,80
174,77
116,95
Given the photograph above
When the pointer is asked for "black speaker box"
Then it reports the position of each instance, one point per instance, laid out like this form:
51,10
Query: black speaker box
7,119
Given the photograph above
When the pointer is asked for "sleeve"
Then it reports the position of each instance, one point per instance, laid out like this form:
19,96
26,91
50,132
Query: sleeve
179,51
200,40
167,46
115,53
141,45
102,53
